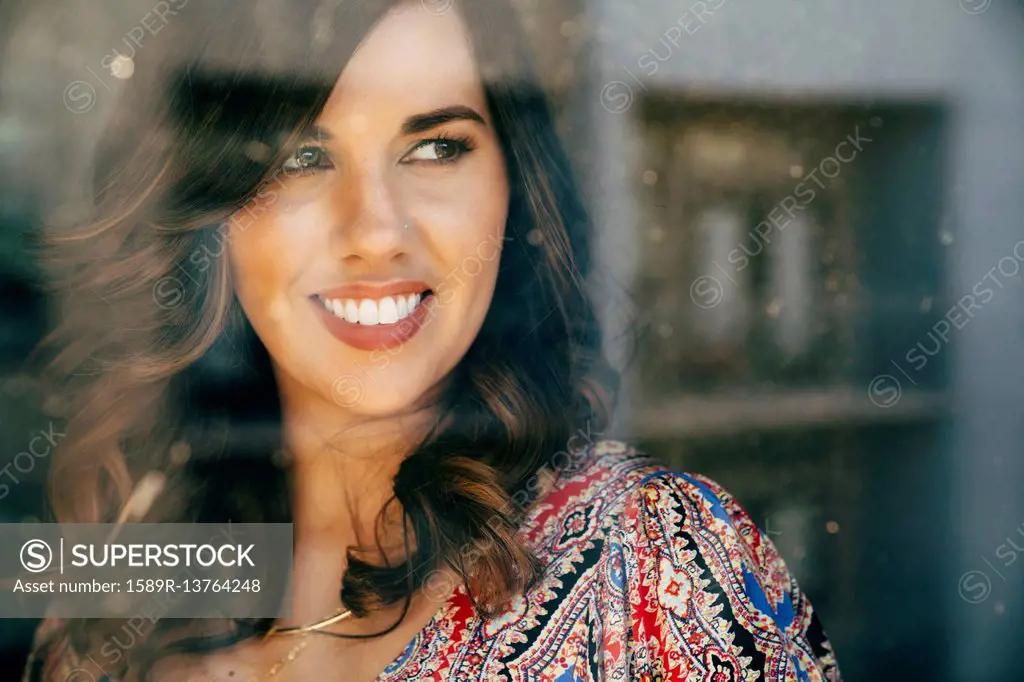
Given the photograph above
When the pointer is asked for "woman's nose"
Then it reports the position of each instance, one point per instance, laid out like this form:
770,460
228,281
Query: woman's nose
370,224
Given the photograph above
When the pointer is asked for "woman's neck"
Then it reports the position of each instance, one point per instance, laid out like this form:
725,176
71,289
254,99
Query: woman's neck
342,471
343,467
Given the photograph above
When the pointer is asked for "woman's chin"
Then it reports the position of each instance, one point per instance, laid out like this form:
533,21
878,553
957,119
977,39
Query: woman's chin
366,395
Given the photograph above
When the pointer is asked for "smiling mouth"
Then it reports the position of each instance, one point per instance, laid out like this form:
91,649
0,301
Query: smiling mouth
370,312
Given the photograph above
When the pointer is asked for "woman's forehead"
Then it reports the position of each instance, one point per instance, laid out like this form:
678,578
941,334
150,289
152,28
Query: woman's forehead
412,61
412,50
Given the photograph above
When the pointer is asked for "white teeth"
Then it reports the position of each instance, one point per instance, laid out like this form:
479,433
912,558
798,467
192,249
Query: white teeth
368,312
387,310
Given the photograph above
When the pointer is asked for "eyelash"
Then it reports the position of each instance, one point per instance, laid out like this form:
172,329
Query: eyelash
463,143
301,170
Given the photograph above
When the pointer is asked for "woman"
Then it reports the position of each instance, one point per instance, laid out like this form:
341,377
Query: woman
384,207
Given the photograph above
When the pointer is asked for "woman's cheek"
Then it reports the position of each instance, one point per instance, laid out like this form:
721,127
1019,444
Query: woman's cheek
257,265
445,292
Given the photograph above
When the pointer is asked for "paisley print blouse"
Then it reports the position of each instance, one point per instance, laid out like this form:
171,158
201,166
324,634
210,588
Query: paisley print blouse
651,575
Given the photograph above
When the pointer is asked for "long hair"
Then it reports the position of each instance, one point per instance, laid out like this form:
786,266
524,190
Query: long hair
214,108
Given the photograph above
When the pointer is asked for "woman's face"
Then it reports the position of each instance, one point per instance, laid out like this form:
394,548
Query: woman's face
368,265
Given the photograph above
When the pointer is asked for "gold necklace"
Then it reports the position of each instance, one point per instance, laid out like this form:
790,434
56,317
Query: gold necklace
288,658
340,615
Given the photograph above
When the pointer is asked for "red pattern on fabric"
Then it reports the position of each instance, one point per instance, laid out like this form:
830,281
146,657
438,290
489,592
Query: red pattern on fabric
649,575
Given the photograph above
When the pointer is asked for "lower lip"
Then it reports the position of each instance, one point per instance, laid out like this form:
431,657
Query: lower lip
371,337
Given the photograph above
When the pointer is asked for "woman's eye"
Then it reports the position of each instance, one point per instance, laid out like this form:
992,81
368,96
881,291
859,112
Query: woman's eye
307,158
439,151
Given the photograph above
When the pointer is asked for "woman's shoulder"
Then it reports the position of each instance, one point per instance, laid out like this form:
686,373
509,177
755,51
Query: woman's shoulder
617,475
690,561
613,486
671,513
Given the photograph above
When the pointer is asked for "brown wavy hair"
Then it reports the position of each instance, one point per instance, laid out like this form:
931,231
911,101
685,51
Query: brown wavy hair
147,308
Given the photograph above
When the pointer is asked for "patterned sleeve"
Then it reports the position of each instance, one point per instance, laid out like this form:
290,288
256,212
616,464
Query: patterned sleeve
710,597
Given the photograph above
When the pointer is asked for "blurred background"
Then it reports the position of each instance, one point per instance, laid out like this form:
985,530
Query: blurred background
811,237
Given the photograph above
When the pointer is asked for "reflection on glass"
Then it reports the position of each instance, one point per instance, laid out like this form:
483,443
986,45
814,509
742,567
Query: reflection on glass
792,285
719,228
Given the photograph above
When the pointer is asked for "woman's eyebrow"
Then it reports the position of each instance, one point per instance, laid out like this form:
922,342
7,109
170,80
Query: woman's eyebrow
417,123
420,123
318,133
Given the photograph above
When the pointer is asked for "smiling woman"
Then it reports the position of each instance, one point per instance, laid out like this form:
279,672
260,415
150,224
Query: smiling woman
390,190
390,153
